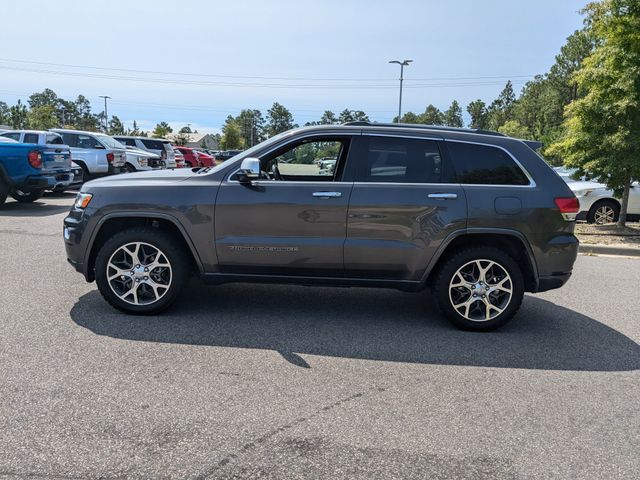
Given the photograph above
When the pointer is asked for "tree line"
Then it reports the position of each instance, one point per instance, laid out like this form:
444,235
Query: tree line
585,109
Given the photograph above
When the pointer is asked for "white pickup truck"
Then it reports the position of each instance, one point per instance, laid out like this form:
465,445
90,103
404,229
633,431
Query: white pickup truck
98,154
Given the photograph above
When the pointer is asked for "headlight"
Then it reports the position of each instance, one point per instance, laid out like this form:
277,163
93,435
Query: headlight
82,200
143,162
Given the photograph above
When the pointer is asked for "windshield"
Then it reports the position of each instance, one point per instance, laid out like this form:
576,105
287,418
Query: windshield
109,142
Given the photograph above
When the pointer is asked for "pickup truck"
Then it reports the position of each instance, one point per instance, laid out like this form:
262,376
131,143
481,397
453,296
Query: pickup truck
27,170
64,179
96,153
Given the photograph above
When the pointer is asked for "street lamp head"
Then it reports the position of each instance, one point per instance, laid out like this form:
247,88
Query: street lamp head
404,63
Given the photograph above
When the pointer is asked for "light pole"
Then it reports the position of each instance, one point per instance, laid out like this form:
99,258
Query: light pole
404,63
106,117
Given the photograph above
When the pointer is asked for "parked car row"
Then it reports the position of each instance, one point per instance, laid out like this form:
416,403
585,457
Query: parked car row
93,154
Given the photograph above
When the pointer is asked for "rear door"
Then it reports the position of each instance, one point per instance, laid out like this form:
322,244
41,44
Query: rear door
403,205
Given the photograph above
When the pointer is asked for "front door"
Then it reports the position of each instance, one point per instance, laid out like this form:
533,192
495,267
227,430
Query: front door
403,205
292,221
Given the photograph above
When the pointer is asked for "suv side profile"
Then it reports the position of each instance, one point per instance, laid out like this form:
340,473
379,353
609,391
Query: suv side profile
477,217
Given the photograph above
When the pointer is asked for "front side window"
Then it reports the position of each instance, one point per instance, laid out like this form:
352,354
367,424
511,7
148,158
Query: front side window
400,160
484,165
85,141
308,160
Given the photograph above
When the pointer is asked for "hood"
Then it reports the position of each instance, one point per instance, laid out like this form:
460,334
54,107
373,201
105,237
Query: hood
150,177
141,153
577,186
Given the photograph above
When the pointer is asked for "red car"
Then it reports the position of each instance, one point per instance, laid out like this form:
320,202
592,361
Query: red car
194,158
205,159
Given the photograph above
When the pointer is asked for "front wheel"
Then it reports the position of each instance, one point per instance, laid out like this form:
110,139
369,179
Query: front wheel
479,288
27,196
141,270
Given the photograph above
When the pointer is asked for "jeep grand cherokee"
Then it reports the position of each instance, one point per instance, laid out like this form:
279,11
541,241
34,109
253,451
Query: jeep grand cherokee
477,217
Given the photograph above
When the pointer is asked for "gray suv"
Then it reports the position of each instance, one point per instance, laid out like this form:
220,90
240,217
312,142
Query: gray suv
477,217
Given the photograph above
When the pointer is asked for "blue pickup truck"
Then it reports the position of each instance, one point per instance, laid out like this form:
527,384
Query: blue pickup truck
27,169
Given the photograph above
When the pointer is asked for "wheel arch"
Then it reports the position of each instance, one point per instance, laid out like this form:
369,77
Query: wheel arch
511,241
114,222
599,202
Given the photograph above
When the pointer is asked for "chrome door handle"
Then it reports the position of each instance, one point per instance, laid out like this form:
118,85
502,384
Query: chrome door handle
444,196
327,194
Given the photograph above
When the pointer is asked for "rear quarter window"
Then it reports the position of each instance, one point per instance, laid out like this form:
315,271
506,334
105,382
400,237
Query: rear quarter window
484,165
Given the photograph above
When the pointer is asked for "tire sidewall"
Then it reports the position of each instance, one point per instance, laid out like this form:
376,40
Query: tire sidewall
468,255
591,218
28,197
157,238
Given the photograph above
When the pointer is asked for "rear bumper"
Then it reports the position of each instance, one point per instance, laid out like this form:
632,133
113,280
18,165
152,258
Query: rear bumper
552,282
39,182
555,261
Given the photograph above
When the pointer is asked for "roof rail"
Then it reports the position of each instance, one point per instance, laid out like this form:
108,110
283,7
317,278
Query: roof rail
426,127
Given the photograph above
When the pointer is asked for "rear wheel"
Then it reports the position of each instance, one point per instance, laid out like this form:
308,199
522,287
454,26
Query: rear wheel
479,288
141,270
26,196
605,211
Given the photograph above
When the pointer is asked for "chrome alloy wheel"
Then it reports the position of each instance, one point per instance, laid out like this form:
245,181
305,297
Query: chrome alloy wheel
480,290
604,214
139,273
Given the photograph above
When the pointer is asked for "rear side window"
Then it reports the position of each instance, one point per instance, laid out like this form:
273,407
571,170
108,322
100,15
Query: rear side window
401,160
30,138
131,142
153,144
54,140
484,165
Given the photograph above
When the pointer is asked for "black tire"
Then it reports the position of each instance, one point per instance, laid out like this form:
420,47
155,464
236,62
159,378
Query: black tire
130,168
4,192
445,277
159,239
86,176
28,196
593,214
59,190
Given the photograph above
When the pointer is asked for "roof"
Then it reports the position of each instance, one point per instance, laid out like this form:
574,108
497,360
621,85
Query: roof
71,130
426,127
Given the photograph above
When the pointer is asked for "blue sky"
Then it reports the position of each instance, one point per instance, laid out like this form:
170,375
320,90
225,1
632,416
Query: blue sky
212,58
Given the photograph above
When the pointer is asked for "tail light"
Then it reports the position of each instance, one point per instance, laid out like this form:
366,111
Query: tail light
110,157
569,207
35,159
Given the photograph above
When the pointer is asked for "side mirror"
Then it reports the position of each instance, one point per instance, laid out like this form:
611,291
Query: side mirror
249,170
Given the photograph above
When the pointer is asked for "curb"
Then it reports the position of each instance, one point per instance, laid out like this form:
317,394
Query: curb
608,250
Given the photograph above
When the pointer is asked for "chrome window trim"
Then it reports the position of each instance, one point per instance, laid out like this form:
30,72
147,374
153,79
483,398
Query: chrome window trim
399,135
292,140
532,183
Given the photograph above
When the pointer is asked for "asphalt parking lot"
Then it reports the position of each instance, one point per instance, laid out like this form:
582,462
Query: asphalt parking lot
255,381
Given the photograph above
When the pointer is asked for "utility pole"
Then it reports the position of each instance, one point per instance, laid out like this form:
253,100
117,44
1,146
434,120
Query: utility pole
106,115
404,63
